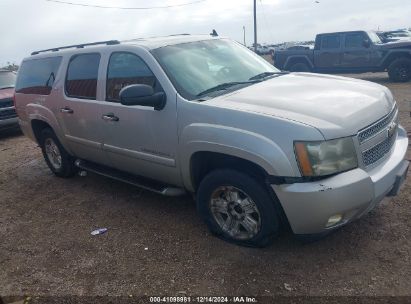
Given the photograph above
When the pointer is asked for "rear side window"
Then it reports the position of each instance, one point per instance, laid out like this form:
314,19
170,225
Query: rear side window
330,42
82,74
125,69
354,40
37,76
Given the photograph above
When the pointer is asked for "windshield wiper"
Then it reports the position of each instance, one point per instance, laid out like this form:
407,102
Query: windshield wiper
266,74
224,86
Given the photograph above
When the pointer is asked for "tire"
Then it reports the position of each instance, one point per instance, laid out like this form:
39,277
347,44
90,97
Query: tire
57,158
400,70
300,67
221,197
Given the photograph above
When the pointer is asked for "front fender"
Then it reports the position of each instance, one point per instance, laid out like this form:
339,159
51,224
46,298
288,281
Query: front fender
201,137
394,54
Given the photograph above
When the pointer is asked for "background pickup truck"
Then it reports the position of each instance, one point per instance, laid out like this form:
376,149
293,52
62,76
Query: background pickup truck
350,52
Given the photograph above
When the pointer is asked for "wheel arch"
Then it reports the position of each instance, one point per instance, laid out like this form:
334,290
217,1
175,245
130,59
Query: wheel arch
394,56
203,162
37,126
297,59
39,122
261,154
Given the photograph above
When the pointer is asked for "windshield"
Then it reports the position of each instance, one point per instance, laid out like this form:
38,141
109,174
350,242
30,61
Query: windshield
196,67
7,80
374,37
399,34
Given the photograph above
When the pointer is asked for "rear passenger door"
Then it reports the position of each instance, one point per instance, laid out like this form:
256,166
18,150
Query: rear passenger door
328,57
80,110
140,140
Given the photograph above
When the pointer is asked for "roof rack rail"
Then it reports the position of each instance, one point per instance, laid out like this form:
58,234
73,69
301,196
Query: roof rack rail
79,46
183,34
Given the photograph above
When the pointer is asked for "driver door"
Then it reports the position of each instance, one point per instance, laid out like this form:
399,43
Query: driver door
139,139
356,54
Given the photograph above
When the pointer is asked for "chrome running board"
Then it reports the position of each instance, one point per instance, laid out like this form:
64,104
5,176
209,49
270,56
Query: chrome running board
138,181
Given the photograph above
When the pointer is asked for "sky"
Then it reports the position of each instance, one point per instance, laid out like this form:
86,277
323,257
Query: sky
29,25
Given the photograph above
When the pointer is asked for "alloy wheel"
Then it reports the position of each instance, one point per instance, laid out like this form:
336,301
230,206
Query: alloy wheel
235,212
53,153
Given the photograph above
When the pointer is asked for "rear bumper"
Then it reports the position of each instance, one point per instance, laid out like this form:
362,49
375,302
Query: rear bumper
309,206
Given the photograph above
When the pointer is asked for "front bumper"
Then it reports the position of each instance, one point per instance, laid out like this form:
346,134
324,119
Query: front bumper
9,123
310,205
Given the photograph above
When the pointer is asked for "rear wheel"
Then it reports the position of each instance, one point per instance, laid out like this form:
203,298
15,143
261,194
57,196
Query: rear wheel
400,70
56,157
237,208
300,67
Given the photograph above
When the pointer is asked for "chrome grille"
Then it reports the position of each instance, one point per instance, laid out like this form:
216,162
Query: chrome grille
6,103
377,152
376,127
9,113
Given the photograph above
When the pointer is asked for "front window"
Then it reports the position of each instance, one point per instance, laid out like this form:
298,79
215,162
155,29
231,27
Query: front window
197,67
7,80
126,69
355,40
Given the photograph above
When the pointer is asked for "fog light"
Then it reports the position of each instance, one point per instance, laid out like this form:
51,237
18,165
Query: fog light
334,220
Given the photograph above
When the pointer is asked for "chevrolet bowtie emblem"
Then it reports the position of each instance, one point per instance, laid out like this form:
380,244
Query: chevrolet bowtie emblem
391,129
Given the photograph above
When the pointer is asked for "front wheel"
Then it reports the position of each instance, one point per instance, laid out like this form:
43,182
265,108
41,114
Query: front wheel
56,157
238,208
400,70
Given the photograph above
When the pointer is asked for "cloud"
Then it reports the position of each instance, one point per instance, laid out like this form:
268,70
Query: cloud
29,25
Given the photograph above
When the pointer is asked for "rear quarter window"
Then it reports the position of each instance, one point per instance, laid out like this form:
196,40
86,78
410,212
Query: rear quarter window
36,76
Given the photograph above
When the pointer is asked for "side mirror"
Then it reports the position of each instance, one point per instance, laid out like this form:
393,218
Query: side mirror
366,43
142,95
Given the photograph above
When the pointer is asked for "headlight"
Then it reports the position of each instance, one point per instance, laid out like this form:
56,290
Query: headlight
321,158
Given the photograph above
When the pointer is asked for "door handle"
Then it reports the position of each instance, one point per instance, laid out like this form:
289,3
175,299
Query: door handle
66,110
110,117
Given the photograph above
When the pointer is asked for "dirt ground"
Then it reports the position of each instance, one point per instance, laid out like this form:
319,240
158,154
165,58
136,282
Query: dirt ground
158,245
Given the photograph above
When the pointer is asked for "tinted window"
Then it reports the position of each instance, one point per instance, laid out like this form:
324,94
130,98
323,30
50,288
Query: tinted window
82,74
37,76
330,42
354,40
125,69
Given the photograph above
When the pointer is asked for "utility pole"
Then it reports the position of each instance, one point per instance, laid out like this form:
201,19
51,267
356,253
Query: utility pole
244,34
255,26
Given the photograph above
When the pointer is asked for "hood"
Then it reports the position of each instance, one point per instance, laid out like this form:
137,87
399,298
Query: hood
336,106
6,93
398,44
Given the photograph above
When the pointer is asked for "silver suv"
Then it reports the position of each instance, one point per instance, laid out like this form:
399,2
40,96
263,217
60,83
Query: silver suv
261,149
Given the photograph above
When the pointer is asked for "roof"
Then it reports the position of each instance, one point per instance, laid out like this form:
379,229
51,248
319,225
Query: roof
344,32
148,43
158,42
